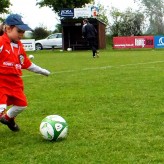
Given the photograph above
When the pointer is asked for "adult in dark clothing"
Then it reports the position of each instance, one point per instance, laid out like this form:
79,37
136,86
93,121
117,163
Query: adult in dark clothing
89,32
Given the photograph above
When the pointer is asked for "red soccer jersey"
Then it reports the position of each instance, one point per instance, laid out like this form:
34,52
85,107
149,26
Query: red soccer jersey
13,58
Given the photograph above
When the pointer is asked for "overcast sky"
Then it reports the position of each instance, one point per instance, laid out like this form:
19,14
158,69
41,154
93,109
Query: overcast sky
36,17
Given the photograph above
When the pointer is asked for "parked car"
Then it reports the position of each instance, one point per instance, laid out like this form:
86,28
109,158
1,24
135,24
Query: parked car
52,41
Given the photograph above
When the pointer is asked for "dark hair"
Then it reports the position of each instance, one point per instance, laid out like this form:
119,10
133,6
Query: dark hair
1,29
86,20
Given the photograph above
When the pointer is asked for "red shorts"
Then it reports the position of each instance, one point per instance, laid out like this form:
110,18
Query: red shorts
17,98
11,92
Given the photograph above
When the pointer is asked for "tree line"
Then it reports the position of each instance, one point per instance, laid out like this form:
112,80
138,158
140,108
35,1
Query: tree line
147,19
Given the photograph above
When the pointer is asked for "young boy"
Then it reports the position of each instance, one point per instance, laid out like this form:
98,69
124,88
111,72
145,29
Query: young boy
13,58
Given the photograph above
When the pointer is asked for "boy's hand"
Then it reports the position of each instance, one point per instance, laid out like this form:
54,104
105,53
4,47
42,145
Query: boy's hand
45,72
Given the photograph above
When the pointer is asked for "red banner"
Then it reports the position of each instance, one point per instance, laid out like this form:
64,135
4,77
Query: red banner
133,42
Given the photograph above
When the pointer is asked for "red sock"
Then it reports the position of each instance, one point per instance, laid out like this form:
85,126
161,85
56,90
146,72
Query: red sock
7,117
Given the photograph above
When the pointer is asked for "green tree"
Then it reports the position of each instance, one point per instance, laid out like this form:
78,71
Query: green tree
154,11
57,5
103,14
126,23
4,5
58,28
114,26
40,33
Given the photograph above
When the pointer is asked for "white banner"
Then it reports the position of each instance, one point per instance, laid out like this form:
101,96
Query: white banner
82,12
29,44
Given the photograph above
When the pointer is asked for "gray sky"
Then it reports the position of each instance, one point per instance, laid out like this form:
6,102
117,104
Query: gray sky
35,16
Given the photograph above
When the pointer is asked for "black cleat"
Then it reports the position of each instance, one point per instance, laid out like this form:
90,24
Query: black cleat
10,123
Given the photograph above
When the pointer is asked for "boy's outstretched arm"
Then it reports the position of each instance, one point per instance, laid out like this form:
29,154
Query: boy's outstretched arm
39,70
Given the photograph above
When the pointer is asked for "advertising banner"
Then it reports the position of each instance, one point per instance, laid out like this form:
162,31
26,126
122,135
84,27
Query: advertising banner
133,42
158,41
67,13
28,44
87,12
82,12
94,11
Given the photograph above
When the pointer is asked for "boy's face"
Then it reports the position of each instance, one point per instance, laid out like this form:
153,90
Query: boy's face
14,33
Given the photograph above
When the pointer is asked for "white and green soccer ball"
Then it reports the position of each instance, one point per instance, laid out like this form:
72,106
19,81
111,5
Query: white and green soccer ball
54,127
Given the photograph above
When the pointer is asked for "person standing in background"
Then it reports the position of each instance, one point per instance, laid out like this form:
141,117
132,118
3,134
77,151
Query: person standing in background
89,32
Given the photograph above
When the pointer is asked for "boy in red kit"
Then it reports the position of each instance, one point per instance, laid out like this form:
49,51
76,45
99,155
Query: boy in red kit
13,59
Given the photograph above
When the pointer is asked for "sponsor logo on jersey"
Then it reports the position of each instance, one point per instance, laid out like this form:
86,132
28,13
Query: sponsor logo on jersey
1,48
21,59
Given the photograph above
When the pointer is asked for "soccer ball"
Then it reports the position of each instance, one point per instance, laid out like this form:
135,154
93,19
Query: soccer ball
31,56
54,127
69,49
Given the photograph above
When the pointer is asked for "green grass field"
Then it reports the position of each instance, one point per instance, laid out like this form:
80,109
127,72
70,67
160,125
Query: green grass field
114,106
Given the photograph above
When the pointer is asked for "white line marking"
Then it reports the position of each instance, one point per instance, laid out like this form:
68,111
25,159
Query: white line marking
95,68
